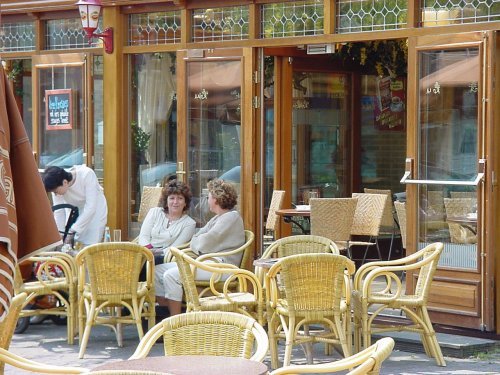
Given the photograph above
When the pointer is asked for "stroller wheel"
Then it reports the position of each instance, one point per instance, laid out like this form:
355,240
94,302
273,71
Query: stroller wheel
22,324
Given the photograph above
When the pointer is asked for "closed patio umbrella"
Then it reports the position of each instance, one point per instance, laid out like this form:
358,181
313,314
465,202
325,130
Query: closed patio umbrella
27,225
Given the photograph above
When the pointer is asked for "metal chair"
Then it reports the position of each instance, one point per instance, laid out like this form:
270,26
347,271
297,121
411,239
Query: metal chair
367,293
217,333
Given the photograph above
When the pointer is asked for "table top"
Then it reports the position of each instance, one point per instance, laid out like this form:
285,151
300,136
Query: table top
293,212
467,220
190,364
266,263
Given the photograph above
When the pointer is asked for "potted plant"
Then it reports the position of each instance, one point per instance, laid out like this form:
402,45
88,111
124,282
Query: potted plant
140,140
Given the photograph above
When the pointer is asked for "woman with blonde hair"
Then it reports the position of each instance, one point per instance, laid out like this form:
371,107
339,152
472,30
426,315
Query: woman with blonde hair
224,232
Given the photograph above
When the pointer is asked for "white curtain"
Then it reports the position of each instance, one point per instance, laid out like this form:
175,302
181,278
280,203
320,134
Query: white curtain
156,90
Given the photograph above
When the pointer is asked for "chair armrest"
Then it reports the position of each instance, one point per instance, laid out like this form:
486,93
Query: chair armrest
186,250
37,367
49,261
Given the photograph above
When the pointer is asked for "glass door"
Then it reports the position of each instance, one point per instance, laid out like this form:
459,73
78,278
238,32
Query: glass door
214,114
60,110
320,134
445,178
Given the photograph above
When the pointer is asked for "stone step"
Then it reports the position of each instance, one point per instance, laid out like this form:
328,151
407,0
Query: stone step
451,345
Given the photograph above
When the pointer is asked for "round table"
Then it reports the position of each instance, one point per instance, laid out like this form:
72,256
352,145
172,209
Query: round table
190,364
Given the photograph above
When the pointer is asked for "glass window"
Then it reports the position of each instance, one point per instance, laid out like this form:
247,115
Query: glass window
448,121
98,117
153,124
228,23
19,36
155,28
67,33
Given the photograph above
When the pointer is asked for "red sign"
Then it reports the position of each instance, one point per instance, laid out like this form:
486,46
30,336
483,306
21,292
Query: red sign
390,106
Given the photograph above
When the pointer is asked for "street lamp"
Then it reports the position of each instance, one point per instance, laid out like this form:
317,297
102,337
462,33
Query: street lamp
90,11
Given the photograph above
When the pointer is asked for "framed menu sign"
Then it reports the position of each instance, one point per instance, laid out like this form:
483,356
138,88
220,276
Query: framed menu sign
59,109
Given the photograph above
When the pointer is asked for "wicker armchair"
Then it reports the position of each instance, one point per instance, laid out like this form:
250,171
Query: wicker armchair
367,220
273,219
332,218
368,361
246,249
56,276
292,245
216,333
113,282
7,327
313,285
460,207
367,294
247,299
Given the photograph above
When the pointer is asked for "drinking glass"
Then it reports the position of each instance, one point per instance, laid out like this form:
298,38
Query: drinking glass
117,235
313,194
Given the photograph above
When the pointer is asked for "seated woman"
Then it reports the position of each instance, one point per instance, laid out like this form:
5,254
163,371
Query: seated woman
224,232
168,225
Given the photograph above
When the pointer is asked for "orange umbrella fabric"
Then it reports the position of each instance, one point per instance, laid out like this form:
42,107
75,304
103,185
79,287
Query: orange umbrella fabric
26,221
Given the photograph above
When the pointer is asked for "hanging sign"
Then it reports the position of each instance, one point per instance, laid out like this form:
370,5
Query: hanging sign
390,111
58,109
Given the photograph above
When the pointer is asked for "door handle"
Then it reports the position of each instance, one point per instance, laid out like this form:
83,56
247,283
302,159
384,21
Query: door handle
409,172
180,172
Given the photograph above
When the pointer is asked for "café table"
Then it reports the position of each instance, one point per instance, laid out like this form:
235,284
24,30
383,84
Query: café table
289,215
190,365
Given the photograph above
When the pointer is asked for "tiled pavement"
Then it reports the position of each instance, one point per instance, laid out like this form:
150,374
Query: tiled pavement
46,343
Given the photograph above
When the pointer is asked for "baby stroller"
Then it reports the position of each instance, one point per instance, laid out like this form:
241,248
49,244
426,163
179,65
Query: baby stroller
48,301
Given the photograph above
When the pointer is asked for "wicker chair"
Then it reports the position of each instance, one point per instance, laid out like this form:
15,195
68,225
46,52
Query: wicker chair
460,207
368,361
216,333
273,219
113,282
246,249
367,220
332,218
463,194
292,245
149,198
313,285
7,327
127,372
401,214
367,293
55,276
246,300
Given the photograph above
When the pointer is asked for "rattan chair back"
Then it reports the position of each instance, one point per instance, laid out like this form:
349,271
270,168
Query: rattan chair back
401,214
366,362
293,245
435,202
460,207
150,198
429,258
215,333
332,217
276,203
108,276
368,215
312,283
387,216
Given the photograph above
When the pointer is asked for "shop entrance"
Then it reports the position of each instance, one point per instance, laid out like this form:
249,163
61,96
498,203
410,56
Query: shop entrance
447,173
211,143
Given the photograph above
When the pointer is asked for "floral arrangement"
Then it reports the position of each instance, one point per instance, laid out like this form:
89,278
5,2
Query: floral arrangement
386,57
